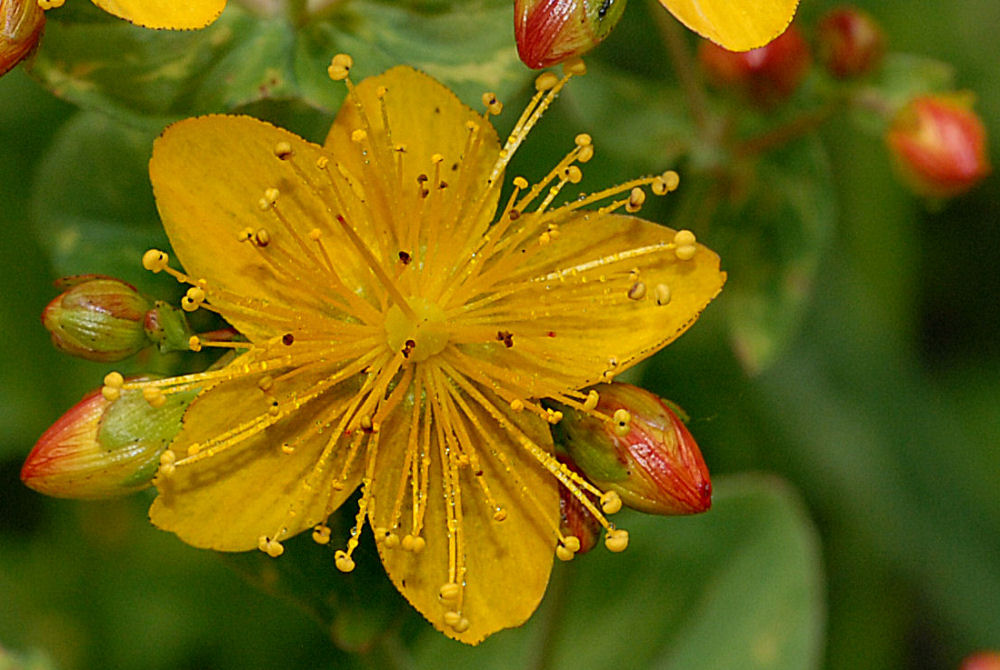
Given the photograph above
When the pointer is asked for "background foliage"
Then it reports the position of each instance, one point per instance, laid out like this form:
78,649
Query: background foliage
844,387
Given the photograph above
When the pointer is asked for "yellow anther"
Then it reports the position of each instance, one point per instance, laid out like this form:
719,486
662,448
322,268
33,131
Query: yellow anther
593,397
462,625
321,534
274,410
247,233
564,554
413,543
271,195
114,380
611,502
340,67
154,397
583,140
516,405
166,470
168,457
471,126
686,252
274,549
111,393
196,293
616,540
573,174
553,416
493,106
193,449
452,618
544,238
283,150
450,591
683,238
585,154
575,66
521,182
637,291
359,135
262,238
391,541
380,92
437,159
546,81
265,383
287,449
622,420
662,294
343,562
666,183
315,234
155,260
322,162
571,542
50,4
194,343
262,542
635,199
499,514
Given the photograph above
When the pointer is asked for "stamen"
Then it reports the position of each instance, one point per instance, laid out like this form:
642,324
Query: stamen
376,268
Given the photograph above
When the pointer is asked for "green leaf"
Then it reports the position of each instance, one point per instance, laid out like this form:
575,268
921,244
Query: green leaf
737,588
771,231
150,77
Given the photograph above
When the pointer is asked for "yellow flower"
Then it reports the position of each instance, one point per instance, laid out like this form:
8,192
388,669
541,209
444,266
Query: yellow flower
737,25
403,328
169,14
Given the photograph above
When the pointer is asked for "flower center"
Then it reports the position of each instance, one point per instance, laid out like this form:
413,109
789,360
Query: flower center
419,337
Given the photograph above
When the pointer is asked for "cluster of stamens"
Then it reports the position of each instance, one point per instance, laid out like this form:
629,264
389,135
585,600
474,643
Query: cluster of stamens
401,347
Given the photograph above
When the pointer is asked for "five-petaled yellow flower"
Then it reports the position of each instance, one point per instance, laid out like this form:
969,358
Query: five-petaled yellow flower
403,327
737,25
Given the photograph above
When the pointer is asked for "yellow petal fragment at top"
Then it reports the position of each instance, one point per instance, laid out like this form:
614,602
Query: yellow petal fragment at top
506,563
737,25
572,304
232,492
169,14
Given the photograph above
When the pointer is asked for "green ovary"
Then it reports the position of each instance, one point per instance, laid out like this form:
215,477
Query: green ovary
426,329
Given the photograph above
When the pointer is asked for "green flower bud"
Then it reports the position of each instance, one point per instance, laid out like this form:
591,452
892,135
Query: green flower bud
644,453
103,448
99,318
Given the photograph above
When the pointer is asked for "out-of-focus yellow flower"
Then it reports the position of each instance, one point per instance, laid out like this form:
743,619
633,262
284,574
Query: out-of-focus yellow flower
403,327
168,14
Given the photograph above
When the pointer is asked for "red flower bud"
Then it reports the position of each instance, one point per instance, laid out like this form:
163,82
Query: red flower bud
938,145
21,24
766,75
644,453
984,660
850,42
102,448
550,31
99,318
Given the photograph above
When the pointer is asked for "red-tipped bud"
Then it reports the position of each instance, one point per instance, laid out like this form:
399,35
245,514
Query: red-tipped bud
21,24
984,660
766,75
850,42
102,448
99,318
576,520
550,31
939,145
642,451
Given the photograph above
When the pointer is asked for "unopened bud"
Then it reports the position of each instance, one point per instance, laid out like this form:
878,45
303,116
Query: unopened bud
99,318
102,448
766,75
653,463
984,660
21,24
551,31
850,42
576,520
939,146
167,327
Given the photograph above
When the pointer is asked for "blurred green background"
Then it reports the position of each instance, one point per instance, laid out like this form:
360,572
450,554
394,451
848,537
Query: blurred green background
857,512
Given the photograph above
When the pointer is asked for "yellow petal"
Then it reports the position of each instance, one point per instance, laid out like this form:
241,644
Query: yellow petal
171,14
209,175
252,488
425,118
584,307
507,562
737,25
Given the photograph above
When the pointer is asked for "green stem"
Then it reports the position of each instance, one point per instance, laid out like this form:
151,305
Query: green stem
785,133
684,65
550,616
